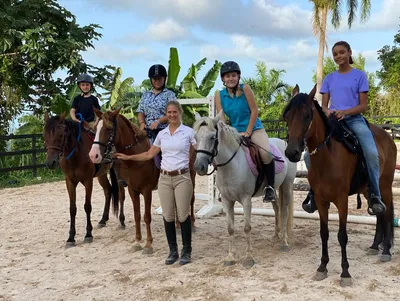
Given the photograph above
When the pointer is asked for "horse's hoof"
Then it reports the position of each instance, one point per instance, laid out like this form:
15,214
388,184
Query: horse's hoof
248,262
229,263
88,239
346,282
136,248
70,244
319,276
101,225
284,248
372,251
386,257
147,251
121,227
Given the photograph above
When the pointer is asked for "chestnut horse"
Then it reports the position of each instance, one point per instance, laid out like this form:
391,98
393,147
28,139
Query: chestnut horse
331,172
67,145
115,132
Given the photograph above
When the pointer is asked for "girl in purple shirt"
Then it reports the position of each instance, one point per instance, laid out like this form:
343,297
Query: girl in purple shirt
346,92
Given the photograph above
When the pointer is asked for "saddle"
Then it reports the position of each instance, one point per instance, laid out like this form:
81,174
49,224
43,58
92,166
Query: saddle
254,151
343,134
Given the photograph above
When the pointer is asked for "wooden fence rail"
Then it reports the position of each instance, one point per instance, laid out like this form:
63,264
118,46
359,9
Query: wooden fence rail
274,128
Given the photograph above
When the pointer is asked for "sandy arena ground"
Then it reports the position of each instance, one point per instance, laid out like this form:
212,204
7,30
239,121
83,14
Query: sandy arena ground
35,265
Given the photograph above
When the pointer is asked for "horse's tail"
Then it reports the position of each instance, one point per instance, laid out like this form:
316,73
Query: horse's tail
114,191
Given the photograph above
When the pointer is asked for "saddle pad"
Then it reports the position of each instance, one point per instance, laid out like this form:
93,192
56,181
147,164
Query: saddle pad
250,162
279,161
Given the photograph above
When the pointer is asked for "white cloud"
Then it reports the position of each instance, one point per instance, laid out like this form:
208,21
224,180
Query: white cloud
257,18
112,54
243,48
165,31
387,18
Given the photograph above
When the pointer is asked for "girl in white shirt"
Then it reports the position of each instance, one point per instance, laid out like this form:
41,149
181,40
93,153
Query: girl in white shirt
175,185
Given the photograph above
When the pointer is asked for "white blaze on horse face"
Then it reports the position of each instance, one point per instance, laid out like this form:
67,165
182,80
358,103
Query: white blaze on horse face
95,153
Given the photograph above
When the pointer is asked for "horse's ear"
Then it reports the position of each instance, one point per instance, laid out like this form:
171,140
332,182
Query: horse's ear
115,113
312,93
197,116
97,112
46,117
220,116
296,90
63,115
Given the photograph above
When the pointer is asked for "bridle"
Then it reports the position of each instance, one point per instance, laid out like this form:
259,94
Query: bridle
214,153
109,146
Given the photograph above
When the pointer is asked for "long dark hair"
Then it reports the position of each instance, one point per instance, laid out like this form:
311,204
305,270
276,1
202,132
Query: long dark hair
345,44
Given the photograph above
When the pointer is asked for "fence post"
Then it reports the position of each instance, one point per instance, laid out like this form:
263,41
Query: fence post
34,169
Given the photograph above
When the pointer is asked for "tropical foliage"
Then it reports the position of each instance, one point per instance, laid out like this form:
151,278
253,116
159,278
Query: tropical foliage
321,10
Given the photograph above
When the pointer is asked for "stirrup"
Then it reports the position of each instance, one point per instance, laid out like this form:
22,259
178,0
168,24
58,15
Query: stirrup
377,207
267,197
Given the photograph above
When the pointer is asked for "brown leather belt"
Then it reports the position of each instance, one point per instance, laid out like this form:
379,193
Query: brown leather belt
174,172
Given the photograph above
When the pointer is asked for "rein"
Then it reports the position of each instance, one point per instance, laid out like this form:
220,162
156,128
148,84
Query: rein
214,153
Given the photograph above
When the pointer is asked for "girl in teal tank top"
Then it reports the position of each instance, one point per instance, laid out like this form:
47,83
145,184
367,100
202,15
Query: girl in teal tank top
238,103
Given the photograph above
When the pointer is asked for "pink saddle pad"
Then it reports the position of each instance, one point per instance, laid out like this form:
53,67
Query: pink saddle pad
279,161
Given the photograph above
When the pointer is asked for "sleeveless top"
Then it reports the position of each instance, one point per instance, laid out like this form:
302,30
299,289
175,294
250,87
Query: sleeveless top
238,111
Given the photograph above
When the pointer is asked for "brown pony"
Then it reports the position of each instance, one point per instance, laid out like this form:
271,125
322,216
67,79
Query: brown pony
331,172
63,149
115,132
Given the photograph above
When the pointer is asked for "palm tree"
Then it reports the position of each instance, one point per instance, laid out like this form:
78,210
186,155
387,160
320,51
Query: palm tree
266,86
322,8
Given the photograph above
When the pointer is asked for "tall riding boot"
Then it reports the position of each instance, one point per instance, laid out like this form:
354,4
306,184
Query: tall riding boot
186,230
269,191
309,203
170,232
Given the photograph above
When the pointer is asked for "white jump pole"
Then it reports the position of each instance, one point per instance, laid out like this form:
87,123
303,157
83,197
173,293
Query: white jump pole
357,219
212,208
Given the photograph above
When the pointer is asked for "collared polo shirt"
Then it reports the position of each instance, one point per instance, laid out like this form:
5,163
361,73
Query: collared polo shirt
153,106
175,148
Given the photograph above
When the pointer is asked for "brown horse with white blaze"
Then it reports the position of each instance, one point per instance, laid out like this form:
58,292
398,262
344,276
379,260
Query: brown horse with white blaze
115,132
331,173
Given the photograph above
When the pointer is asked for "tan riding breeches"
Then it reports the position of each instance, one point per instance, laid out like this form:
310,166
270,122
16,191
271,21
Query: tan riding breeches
175,193
260,138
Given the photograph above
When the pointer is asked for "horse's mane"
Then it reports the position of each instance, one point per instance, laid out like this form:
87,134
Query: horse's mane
135,129
72,126
301,99
232,137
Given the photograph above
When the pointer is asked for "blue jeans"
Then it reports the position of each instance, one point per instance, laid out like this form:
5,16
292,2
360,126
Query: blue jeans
364,135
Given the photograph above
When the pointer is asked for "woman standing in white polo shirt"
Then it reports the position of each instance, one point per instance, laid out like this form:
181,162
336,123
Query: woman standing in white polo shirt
175,185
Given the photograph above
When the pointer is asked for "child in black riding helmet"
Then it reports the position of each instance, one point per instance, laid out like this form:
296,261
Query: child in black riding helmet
85,102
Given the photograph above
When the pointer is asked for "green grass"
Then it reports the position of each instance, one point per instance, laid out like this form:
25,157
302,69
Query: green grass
25,178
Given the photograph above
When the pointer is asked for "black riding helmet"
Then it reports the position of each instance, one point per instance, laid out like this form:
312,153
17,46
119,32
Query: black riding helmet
85,78
157,70
230,66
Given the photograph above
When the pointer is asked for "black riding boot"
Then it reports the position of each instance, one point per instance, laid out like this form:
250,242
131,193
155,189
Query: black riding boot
170,232
269,191
375,205
186,230
309,203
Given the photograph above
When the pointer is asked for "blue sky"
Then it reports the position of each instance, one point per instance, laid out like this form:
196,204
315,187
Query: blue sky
139,33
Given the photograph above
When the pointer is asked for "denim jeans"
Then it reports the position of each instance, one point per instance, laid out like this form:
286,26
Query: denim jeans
364,135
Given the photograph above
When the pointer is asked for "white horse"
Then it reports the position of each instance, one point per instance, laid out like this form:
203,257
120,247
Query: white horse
221,145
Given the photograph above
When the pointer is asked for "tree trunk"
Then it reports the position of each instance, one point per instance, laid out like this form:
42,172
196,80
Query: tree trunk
321,49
